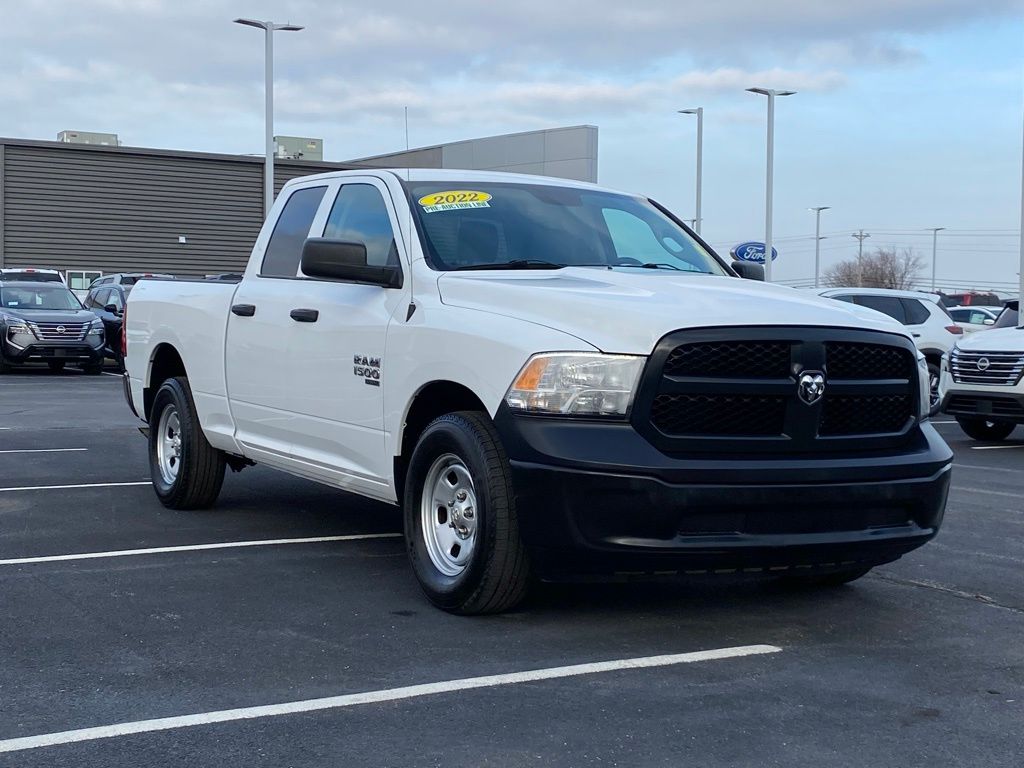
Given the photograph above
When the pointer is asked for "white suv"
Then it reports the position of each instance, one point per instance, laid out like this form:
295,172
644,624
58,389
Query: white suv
922,314
974,318
982,383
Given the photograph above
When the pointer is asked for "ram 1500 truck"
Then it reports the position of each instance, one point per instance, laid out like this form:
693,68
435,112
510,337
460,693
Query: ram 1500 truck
550,378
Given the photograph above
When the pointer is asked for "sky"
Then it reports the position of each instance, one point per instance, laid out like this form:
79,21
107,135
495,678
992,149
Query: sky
907,113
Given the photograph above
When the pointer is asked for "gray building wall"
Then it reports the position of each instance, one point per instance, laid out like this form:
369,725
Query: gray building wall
106,209
566,153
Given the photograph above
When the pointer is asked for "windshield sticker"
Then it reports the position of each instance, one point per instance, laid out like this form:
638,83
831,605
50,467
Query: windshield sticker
454,200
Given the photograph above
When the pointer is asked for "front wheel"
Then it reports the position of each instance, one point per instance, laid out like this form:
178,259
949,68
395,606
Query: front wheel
985,430
187,471
828,580
461,526
56,366
93,369
935,402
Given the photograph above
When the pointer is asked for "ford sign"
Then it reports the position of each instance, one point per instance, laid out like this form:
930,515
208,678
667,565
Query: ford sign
752,252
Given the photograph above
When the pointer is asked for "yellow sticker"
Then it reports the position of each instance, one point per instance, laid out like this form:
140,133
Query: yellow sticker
453,200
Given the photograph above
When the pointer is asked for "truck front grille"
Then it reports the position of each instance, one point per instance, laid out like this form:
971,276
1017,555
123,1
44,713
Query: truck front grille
60,331
1000,369
708,391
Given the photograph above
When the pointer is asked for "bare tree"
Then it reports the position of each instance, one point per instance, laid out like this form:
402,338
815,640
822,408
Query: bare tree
885,268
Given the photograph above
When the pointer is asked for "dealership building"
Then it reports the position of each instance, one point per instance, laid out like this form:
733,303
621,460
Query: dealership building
86,206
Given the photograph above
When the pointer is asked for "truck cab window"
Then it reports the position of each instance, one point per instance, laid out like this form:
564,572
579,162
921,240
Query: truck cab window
359,215
284,251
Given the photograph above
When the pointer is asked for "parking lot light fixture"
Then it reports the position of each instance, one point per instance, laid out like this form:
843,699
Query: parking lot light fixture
699,112
771,93
269,28
817,242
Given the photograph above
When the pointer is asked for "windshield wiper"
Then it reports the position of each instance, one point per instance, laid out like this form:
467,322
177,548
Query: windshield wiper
516,264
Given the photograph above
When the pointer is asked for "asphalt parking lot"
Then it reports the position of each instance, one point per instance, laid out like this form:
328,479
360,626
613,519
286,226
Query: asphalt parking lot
919,664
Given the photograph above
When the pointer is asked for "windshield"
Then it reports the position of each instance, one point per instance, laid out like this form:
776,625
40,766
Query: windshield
38,297
497,225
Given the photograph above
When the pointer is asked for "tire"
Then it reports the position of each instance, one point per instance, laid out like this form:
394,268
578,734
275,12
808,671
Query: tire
466,554
55,365
984,430
187,471
935,403
828,580
93,369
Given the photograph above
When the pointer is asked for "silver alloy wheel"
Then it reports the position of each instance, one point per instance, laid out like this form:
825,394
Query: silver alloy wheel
168,444
933,388
448,514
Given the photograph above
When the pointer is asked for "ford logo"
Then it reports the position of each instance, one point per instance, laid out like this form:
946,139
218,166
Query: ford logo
752,252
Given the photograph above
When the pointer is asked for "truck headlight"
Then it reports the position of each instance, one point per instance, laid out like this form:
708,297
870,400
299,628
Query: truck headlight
576,384
924,386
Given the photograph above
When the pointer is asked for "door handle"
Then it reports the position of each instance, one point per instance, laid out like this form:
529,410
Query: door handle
305,315
916,335
244,310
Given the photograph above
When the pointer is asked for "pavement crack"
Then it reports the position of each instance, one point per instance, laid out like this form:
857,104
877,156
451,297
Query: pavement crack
953,591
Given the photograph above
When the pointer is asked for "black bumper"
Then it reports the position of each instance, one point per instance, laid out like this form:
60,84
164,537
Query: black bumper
72,352
597,496
981,405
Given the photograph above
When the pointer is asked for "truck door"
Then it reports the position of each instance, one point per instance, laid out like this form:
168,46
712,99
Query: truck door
337,355
260,384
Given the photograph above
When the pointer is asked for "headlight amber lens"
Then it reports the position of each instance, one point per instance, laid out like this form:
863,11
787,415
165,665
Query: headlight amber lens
576,384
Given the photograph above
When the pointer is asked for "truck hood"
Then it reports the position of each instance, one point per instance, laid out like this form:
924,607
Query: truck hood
627,311
50,315
994,340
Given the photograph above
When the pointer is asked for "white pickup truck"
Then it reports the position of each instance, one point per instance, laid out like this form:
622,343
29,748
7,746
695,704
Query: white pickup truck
551,379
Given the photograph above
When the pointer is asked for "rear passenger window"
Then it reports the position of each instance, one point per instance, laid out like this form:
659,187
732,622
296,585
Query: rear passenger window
284,251
359,215
917,312
888,305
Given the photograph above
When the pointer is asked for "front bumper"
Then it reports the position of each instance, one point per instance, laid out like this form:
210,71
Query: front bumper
47,351
985,404
597,496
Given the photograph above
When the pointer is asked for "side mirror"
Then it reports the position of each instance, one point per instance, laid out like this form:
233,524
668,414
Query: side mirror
988,321
748,270
345,262
112,309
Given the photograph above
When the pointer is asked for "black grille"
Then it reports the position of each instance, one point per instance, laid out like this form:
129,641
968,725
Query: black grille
846,360
713,415
736,390
864,414
741,359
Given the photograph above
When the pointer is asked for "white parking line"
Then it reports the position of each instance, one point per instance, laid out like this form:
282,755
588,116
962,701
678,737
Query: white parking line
45,450
118,375
66,487
374,697
986,469
995,447
193,548
986,491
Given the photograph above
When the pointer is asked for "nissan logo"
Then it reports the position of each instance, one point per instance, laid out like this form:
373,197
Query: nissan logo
60,329
811,387
983,364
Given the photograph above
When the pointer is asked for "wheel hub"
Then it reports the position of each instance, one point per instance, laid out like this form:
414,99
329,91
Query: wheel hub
448,514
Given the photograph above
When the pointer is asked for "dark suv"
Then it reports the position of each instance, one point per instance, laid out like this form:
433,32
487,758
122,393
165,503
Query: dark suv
45,322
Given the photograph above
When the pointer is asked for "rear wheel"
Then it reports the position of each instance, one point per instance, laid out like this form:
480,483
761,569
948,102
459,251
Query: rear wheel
828,580
983,429
5,367
55,365
187,471
461,526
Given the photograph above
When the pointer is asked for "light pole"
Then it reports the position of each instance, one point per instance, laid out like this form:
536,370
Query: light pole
771,93
1020,284
269,29
860,257
817,242
699,112
935,246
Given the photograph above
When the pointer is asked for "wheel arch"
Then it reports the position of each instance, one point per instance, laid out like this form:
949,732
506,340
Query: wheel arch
164,363
433,399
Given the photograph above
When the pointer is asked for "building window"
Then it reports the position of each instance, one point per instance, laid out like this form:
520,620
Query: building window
80,281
